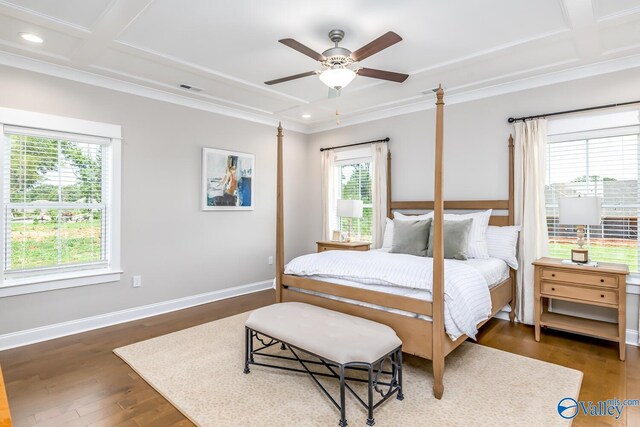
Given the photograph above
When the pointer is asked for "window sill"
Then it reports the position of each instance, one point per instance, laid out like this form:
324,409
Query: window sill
30,285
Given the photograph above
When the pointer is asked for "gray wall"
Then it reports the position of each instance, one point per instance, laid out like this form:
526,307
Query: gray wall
181,251
476,133
178,249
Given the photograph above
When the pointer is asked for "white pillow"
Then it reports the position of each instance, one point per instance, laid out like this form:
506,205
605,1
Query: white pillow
478,234
387,240
402,217
503,244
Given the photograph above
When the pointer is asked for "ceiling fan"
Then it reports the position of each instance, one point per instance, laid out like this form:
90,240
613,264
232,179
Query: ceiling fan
340,65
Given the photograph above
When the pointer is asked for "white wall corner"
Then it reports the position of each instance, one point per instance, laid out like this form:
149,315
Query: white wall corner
49,332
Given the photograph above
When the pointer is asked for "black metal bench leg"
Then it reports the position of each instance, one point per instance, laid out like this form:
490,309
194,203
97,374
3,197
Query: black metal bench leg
248,338
343,419
370,420
399,358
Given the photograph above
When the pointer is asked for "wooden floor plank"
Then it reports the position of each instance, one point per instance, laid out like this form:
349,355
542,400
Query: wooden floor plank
605,376
77,381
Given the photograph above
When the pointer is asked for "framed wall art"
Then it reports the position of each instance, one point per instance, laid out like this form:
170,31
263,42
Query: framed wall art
228,180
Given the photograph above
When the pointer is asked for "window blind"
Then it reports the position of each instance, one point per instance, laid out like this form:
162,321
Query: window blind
602,163
56,201
353,179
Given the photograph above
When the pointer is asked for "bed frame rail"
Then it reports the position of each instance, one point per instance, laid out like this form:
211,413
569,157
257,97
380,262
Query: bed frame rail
398,302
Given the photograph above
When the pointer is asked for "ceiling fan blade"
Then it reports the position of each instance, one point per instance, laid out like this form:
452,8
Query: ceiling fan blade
286,79
384,41
302,49
384,75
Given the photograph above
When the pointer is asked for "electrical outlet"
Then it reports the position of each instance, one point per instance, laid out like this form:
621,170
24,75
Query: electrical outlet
270,260
136,281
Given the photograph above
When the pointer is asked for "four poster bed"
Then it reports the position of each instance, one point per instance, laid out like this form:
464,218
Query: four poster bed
420,337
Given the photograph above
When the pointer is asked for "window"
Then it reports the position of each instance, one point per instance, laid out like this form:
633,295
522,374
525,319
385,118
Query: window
353,182
600,162
60,207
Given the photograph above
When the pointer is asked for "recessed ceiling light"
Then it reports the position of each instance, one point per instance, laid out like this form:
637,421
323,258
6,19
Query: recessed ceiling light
306,116
30,37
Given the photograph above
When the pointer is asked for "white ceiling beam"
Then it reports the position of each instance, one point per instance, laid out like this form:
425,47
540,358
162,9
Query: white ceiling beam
581,18
190,67
110,25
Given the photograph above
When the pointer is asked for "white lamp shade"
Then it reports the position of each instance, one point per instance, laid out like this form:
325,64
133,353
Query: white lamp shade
337,78
350,208
580,210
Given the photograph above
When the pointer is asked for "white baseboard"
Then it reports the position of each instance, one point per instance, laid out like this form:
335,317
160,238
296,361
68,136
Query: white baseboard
44,333
631,335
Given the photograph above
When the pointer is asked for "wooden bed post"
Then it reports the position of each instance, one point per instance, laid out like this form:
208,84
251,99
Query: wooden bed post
279,220
438,255
512,272
389,213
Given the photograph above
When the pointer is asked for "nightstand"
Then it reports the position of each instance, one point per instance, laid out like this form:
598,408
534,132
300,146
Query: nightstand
327,245
604,285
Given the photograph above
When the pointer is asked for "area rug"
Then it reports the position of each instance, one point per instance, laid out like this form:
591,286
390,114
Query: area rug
199,370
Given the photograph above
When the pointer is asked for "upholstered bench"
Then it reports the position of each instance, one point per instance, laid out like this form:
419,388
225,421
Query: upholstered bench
341,342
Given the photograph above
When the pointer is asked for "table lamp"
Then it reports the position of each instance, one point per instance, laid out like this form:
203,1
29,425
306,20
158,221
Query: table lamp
350,209
580,211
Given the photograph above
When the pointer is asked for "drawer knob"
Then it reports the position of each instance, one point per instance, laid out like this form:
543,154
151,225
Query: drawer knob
553,289
602,296
601,280
553,274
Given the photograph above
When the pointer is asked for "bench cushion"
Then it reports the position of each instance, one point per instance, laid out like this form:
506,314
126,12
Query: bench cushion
335,336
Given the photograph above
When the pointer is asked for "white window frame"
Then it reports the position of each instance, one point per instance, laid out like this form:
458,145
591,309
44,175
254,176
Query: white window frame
348,157
633,279
75,278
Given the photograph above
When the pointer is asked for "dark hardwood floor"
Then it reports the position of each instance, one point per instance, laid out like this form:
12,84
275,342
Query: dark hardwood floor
78,381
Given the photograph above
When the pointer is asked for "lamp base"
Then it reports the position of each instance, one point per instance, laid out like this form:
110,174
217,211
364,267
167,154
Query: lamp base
580,256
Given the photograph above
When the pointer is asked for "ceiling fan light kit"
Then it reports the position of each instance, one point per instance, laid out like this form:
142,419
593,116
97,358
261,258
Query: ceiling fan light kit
337,77
340,65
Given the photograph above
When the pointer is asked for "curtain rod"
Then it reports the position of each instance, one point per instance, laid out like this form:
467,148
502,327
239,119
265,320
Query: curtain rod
599,107
357,143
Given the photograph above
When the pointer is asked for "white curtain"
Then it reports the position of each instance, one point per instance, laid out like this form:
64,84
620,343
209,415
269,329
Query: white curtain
530,167
328,162
378,191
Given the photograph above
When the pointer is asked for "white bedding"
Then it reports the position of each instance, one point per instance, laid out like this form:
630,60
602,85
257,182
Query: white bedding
467,283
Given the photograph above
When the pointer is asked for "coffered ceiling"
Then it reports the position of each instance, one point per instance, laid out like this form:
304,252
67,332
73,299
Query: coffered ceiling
229,48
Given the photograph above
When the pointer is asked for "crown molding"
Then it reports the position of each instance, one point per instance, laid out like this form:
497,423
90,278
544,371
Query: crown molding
81,76
457,97
408,105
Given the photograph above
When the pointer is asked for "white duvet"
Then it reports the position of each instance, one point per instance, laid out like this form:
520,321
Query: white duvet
466,292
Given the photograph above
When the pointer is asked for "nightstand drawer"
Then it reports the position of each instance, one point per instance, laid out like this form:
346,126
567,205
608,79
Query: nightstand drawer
603,296
590,278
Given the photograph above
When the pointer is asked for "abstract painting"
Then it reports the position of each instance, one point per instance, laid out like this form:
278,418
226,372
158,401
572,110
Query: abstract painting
227,180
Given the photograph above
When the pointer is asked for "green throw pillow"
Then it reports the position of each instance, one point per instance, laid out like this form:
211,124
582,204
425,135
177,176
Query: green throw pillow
410,237
456,239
